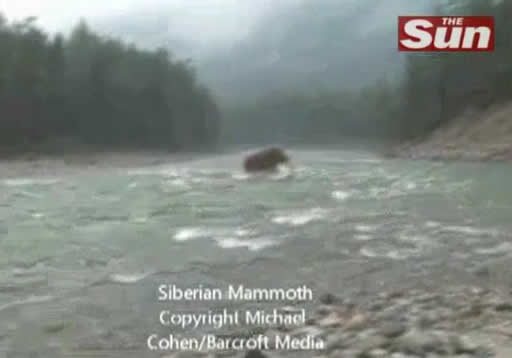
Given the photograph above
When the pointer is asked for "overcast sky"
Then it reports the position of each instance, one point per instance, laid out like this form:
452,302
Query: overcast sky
201,25
211,19
58,14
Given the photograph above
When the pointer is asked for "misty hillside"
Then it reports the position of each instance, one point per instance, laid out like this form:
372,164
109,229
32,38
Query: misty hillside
254,48
189,29
328,44
157,33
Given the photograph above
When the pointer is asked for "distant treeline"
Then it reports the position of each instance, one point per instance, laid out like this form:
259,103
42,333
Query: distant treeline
434,88
85,90
321,117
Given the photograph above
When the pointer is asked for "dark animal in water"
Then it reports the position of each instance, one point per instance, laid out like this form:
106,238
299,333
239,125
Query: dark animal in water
265,160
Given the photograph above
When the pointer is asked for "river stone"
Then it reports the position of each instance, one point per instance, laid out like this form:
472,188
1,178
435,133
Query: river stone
504,307
378,353
357,322
332,320
55,327
428,319
256,353
417,342
392,329
482,272
272,336
323,310
401,355
463,345
350,353
335,341
371,343
377,306
310,331
190,354
329,299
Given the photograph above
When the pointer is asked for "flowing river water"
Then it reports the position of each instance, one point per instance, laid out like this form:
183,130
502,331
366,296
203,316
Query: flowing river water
82,255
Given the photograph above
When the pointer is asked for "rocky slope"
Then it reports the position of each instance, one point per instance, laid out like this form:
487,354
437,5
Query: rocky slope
475,135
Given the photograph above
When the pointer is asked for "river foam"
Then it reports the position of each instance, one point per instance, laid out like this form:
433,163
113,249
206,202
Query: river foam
30,181
503,248
340,195
128,278
301,218
190,233
252,245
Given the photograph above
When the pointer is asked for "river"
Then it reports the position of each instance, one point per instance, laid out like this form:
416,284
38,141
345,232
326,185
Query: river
82,255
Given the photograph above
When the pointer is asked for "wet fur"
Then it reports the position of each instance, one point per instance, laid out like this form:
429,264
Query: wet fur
265,160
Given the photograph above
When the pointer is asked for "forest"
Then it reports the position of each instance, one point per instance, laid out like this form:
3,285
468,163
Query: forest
85,91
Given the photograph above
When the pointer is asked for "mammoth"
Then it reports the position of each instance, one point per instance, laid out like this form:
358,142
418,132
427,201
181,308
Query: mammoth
265,160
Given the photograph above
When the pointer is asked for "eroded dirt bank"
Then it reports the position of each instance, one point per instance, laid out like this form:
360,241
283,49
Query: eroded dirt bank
475,135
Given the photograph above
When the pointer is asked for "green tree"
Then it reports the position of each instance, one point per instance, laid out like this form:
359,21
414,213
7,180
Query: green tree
97,91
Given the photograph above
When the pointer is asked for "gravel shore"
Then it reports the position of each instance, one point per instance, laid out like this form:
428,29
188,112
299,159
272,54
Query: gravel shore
463,322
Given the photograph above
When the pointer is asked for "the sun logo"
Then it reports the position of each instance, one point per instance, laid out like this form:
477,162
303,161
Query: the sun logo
442,33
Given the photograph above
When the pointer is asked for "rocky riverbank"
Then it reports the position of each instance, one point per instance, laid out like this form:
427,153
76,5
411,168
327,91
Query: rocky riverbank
475,135
463,322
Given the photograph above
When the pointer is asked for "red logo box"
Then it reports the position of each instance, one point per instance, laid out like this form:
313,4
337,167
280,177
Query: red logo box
446,33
